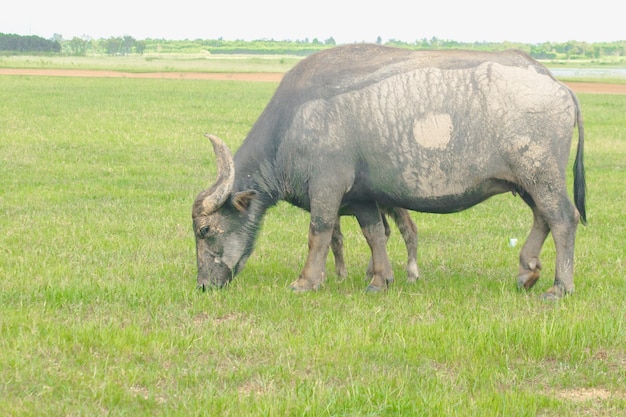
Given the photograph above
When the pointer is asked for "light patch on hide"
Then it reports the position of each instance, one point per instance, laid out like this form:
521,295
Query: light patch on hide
433,131
233,250
518,88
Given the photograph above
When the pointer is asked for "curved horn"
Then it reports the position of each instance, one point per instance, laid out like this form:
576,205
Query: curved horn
225,175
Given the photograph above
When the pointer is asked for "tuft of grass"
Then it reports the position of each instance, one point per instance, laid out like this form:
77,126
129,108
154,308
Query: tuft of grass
99,313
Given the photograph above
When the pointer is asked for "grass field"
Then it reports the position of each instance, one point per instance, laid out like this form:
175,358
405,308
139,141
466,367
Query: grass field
157,62
99,314
248,63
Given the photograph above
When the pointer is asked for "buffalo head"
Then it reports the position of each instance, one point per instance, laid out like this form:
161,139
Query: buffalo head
223,225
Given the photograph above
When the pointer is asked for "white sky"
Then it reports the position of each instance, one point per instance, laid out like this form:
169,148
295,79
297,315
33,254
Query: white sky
527,21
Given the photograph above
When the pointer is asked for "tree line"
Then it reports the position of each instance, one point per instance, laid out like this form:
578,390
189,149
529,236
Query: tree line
125,45
570,50
16,43
120,45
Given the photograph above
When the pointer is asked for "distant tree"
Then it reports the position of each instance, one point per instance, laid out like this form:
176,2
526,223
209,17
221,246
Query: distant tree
543,51
330,41
396,43
121,46
140,47
113,45
379,40
423,43
78,46
128,43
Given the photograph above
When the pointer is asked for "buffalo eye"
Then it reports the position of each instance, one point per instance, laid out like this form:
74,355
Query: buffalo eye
203,232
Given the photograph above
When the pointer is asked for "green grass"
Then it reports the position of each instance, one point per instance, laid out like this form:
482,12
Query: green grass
99,314
169,62
243,63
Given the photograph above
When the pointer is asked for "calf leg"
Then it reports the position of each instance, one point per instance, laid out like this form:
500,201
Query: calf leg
372,226
336,245
408,230
369,274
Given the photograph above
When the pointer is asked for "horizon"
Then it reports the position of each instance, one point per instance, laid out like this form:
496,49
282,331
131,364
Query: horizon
533,22
87,37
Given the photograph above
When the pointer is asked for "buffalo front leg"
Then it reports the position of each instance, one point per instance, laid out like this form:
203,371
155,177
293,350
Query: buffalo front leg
373,228
324,211
563,227
558,216
314,272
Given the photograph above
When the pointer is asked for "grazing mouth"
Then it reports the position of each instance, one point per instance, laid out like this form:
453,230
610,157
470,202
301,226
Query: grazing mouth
204,287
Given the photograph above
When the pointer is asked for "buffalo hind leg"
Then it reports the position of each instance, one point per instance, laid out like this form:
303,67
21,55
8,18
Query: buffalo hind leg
563,227
558,216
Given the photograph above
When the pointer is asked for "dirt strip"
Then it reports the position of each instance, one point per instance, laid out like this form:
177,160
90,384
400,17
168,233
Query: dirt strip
578,87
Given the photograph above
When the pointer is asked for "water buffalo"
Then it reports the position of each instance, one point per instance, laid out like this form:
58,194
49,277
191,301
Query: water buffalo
364,126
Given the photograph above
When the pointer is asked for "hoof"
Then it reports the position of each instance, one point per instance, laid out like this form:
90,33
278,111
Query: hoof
412,273
303,286
374,289
556,292
342,274
527,280
529,273
550,297
294,288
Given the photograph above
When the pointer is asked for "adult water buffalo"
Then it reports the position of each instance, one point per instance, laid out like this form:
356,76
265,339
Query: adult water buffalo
433,131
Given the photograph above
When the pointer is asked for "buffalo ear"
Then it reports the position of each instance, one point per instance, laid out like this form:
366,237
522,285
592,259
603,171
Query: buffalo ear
241,200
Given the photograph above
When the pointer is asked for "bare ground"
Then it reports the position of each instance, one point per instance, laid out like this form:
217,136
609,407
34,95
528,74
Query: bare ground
578,87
